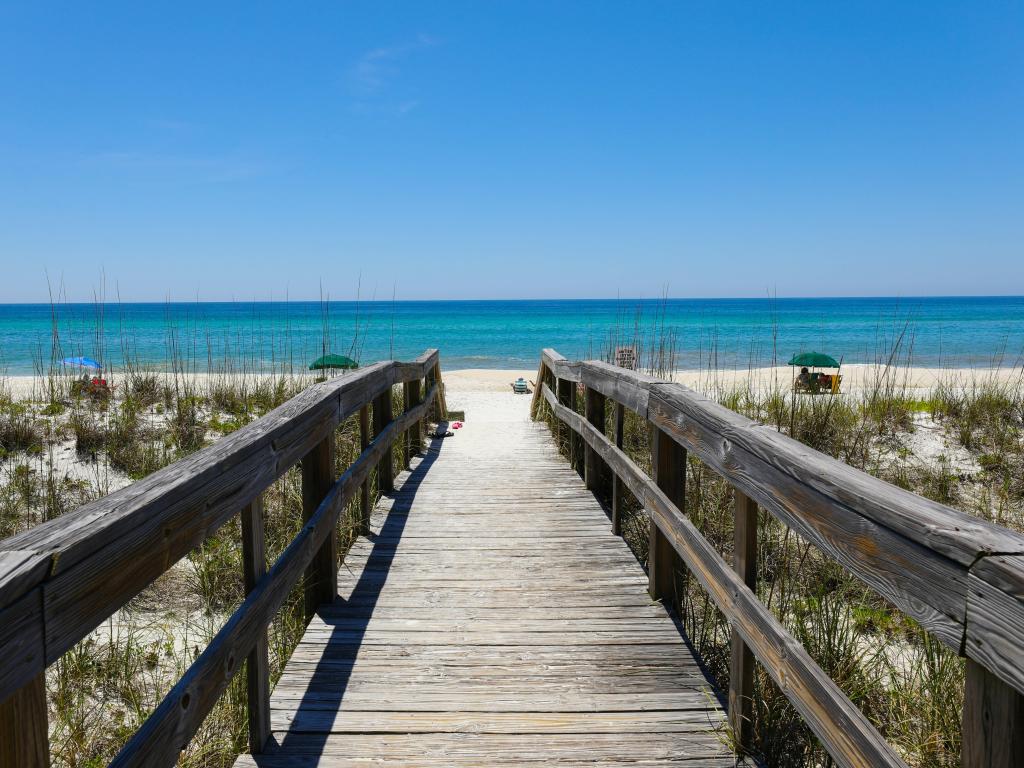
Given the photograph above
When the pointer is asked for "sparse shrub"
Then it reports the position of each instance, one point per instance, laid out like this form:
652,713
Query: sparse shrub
18,431
90,434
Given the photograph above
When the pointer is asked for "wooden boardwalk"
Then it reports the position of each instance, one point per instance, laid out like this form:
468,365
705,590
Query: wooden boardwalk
491,618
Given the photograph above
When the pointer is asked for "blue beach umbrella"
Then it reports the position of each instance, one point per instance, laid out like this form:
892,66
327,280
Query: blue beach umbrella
82,362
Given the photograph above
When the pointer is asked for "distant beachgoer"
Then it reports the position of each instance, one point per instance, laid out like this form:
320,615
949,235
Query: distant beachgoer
804,379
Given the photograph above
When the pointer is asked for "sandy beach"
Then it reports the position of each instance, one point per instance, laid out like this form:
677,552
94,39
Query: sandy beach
857,378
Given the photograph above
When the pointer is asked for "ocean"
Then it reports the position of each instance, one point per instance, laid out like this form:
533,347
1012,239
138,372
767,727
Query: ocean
727,333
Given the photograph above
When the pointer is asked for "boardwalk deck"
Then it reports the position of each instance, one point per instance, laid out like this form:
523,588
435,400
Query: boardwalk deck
492,619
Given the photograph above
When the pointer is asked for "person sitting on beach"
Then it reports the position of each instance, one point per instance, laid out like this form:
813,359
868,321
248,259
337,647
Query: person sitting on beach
804,379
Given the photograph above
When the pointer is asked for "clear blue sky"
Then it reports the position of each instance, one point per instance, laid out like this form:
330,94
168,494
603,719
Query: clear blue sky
511,149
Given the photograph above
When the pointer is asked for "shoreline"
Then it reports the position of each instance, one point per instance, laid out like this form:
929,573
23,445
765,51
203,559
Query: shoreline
857,378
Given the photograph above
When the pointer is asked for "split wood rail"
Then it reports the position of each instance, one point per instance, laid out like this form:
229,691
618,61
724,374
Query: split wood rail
959,577
60,580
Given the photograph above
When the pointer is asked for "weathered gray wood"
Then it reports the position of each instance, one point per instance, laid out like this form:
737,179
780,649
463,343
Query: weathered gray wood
567,397
668,459
87,563
364,494
414,436
923,583
529,631
24,738
182,711
321,583
596,471
254,566
617,489
847,735
535,399
381,419
560,367
995,616
620,384
993,725
741,670
22,638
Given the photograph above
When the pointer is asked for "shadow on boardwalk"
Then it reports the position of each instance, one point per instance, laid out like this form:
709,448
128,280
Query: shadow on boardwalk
327,687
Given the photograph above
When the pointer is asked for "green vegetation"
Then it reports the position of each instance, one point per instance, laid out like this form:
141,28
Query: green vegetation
961,444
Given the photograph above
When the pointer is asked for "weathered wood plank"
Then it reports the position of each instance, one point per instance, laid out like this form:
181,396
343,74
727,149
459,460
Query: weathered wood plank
490,599
321,582
24,737
993,725
254,567
182,711
842,728
741,669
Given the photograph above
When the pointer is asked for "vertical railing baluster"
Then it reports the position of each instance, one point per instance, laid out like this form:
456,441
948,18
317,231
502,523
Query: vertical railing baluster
741,670
317,479
404,438
413,438
381,419
24,734
566,437
364,491
993,723
596,471
620,412
254,566
668,462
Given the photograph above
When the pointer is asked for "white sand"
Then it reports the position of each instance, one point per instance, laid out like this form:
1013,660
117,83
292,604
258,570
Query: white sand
856,378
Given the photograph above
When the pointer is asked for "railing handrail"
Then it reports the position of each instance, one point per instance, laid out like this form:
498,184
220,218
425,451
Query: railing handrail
962,578
62,578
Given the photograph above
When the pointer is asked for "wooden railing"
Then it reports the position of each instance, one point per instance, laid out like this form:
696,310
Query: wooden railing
61,579
958,576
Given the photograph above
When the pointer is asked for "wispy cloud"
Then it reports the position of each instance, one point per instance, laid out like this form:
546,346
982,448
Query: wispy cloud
372,77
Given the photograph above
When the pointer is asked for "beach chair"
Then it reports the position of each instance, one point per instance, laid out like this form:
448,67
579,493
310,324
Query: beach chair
520,387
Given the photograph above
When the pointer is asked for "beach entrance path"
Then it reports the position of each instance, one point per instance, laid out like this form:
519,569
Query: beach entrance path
491,618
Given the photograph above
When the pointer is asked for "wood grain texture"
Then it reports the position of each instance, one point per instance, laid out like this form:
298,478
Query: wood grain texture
668,461
321,580
159,741
993,725
86,564
24,738
254,567
918,554
491,619
617,487
848,736
741,664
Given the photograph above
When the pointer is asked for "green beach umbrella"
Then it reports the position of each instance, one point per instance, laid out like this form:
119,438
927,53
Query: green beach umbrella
332,361
814,360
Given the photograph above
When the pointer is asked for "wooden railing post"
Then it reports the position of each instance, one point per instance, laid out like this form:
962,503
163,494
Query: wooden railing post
567,397
668,461
405,438
620,412
596,471
741,670
364,491
24,735
431,380
993,725
317,479
381,419
414,437
254,566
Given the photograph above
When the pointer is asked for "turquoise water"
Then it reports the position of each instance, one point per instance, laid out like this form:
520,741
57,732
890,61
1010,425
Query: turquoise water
510,334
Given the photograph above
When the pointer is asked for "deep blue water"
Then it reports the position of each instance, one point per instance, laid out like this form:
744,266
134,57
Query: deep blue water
510,334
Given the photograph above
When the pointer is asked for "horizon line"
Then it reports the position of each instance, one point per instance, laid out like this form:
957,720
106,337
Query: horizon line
631,299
